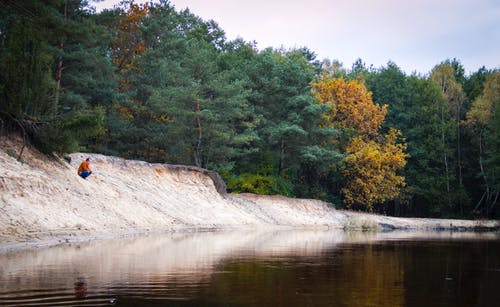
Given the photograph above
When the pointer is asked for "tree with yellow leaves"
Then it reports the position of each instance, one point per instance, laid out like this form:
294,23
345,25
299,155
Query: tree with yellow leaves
372,161
350,105
370,169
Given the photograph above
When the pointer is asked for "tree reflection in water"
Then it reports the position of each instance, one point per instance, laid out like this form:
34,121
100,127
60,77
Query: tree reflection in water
268,268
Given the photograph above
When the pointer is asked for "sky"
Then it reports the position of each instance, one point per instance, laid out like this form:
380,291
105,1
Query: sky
415,34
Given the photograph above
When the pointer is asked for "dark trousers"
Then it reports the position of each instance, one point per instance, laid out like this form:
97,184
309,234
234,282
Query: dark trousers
85,174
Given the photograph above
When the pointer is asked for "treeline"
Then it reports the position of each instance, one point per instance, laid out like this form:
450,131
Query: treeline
152,83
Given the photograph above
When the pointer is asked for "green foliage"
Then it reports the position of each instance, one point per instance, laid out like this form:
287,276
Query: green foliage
53,68
474,85
415,100
65,134
280,82
389,86
259,184
483,119
149,82
27,87
493,150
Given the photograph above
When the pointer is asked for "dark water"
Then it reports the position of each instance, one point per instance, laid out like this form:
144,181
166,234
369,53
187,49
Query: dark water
280,268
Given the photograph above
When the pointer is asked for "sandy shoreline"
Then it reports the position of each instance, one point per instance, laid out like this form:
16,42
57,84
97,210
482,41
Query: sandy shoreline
55,239
43,203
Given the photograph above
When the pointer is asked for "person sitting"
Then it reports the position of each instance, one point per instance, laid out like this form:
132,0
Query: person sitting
84,169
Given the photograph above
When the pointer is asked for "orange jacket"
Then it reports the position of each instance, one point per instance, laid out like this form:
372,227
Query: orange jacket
84,166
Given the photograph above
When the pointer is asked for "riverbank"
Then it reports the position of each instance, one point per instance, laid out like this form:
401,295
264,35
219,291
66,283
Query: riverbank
44,202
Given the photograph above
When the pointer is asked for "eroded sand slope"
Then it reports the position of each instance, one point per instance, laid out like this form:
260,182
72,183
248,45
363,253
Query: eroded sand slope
43,200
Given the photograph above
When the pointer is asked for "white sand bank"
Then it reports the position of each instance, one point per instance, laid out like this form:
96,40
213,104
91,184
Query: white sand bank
44,202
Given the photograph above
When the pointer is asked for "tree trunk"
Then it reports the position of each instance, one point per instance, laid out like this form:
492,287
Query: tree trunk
197,151
459,156
479,203
459,147
59,67
281,165
481,166
494,202
487,195
444,152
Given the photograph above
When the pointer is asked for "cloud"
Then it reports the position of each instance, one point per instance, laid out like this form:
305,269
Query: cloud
415,34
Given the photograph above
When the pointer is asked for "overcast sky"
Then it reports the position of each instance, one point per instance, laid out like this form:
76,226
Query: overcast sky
415,34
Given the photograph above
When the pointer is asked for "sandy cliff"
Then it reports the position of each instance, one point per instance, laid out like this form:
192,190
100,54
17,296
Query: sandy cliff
43,201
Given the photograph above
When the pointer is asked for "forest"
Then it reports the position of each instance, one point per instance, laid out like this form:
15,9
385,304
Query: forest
153,83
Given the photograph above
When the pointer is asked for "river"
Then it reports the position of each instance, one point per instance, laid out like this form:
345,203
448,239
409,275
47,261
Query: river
260,268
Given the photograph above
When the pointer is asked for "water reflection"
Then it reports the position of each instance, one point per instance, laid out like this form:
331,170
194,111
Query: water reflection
80,288
248,268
